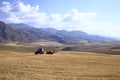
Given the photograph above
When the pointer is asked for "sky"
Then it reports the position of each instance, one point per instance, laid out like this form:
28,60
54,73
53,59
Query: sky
97,17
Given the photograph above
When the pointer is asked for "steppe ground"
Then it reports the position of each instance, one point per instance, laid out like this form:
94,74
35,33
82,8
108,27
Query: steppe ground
63,65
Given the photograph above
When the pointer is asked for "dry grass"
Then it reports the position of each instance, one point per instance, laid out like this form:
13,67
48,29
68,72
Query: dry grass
59,66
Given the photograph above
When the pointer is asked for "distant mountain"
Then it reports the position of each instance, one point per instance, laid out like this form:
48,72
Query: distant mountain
19,26
25,33
7,34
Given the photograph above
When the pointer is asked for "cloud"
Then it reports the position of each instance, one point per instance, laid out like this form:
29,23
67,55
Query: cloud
18,12
6,8
13,18
27,8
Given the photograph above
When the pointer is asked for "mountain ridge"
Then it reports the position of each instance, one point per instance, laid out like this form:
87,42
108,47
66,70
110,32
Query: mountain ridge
25,33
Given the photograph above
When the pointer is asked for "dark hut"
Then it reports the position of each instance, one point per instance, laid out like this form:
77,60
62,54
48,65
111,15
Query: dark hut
40,51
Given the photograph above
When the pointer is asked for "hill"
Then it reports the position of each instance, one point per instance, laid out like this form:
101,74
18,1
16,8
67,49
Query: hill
9,34
23,33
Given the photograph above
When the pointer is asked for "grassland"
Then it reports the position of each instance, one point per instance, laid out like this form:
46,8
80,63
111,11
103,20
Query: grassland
64,65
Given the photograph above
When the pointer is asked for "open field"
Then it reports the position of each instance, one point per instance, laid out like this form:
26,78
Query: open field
63,65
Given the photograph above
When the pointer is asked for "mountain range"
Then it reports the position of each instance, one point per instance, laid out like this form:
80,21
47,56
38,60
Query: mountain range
23,33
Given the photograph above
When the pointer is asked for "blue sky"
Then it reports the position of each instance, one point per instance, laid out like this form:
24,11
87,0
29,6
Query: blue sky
100,17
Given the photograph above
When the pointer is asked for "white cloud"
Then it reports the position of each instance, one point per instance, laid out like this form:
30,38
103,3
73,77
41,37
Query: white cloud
57,17
27,8
26,13
13,18
5,8
72,20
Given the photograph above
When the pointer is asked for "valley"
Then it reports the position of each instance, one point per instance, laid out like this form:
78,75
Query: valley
78,55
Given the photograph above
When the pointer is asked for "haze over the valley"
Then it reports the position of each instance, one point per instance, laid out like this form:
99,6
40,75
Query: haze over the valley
91,16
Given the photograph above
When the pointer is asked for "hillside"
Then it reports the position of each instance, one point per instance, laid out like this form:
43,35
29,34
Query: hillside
9,34
23,33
